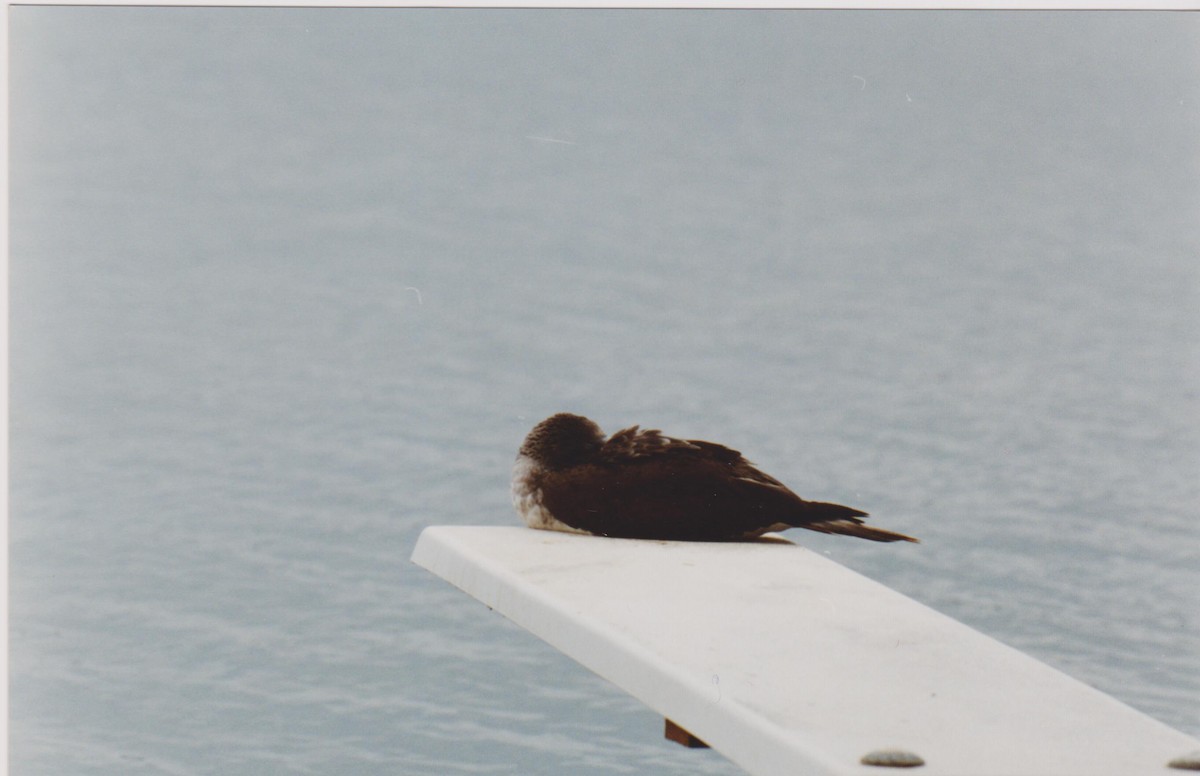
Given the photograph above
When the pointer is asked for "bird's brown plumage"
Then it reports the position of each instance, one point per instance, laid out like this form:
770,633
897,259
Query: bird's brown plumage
642,484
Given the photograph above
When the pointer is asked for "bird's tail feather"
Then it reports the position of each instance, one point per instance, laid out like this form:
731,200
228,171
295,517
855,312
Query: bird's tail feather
852,527
837,519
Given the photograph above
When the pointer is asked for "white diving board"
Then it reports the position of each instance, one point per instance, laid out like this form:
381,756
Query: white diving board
790,664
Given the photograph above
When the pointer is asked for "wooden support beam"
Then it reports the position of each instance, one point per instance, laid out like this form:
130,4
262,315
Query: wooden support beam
680,736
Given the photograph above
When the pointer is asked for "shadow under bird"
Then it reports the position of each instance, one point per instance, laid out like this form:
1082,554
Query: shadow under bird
641,484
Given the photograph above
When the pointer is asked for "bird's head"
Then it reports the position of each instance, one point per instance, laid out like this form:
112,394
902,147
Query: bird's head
563,440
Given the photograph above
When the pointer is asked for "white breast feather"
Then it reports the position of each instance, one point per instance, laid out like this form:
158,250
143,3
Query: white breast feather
527,501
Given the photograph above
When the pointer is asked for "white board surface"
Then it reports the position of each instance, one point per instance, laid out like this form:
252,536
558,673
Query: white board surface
789,663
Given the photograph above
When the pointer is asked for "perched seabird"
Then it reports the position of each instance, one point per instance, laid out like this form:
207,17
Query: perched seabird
640,484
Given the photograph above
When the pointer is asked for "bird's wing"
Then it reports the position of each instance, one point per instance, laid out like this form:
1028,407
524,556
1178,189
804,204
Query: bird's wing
634,442
708,461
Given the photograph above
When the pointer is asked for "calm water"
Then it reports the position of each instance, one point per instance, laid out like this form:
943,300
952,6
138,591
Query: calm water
288,286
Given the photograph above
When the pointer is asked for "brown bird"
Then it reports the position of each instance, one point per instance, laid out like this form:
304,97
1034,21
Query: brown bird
640,484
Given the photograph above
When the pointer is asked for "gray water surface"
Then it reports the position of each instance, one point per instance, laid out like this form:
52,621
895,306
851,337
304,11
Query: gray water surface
290,285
